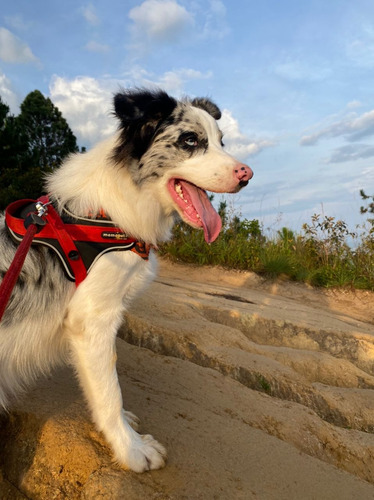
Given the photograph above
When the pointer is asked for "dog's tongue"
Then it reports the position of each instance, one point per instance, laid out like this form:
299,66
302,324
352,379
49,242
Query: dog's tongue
210,220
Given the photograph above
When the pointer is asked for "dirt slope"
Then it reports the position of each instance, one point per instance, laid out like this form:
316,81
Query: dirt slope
258,390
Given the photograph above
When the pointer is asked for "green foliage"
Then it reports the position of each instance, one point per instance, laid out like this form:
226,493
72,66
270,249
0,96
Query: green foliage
31,145
320,255
263,383
13,151
369,209
48,135
236,247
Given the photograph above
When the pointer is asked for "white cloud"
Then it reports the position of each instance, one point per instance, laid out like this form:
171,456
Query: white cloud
89,13
99,48
8,96
354,104
167,21
351,152
156,21
174,81
351,127
216,24
86,104
238,144
171,81
290,200
296,70
17,22
14,50
360,50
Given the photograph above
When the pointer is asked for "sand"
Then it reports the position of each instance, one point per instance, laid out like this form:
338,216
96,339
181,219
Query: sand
259,390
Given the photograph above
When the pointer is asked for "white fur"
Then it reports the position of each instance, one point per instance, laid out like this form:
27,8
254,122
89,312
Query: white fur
92,186
82,325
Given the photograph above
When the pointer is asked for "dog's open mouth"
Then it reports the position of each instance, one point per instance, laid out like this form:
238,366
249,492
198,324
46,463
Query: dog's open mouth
195,207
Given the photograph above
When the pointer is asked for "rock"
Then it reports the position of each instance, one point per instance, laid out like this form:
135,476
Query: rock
257,391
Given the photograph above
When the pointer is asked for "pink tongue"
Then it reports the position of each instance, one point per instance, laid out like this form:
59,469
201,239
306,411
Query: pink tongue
211,221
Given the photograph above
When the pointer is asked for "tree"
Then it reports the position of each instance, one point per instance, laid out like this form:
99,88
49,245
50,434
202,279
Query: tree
4,111
31,145
13,149
49,137
369,209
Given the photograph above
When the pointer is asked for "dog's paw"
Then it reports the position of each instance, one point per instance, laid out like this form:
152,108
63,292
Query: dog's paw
145,454
131,419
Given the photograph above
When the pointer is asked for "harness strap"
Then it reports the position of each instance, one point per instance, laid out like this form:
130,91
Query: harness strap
66,241
78,241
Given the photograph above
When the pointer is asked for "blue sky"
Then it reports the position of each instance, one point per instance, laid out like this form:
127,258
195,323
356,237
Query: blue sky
295,81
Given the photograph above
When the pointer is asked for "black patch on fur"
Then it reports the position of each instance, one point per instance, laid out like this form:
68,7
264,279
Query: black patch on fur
180,116
141,113
208,106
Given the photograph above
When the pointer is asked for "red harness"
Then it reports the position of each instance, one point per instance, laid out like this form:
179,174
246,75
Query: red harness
78,241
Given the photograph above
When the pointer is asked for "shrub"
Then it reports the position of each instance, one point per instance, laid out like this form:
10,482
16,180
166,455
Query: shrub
320,255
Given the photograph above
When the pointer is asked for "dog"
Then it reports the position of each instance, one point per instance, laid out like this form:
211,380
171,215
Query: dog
158,165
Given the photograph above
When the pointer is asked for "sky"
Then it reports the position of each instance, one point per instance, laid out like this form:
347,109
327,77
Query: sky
294,80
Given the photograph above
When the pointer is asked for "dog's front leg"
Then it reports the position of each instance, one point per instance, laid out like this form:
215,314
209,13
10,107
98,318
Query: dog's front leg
91,325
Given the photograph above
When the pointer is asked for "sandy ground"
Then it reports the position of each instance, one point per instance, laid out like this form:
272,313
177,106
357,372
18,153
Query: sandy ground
259,390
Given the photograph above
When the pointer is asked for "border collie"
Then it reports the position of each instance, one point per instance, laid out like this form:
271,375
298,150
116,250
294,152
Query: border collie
159,164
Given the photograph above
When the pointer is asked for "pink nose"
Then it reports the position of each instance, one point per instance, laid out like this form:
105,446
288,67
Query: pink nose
243,173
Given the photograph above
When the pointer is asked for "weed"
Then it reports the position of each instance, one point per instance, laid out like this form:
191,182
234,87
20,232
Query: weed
264,384
319,255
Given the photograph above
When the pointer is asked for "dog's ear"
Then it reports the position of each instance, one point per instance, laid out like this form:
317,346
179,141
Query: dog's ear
141,113
143,106
208,106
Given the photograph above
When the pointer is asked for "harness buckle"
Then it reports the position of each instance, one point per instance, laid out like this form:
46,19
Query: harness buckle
42,208
37,218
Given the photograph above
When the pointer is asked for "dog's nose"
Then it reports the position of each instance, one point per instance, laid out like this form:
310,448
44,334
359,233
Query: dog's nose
243,173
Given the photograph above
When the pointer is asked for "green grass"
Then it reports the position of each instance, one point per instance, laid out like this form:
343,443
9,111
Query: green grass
319,254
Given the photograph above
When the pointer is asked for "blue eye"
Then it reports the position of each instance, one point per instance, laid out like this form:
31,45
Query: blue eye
188,140
191,142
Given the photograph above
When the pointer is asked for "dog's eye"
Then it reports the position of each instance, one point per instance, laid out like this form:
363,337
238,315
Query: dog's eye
189,140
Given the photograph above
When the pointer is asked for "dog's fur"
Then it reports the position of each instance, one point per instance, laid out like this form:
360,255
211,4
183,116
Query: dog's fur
48,320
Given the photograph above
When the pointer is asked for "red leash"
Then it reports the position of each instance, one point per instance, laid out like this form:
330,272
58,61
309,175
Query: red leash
34,223
14,270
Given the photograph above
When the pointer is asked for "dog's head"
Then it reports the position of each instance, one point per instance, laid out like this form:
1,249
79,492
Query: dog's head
178,145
